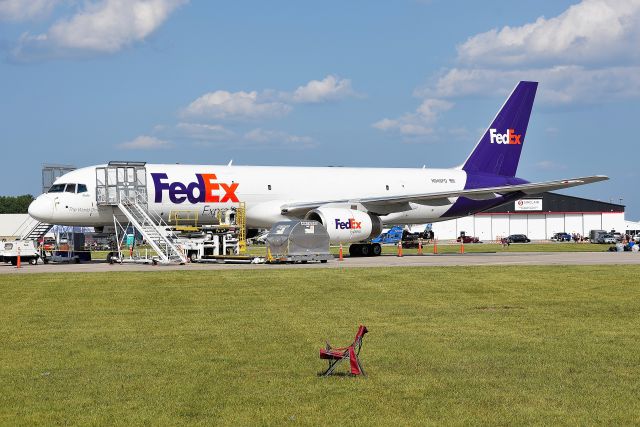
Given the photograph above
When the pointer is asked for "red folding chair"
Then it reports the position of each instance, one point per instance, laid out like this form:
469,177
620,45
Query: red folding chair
335,355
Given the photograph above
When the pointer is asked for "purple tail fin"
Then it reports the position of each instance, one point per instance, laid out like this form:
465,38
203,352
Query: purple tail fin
498,151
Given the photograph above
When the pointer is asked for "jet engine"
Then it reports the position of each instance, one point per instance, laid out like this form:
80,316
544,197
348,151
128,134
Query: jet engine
347,225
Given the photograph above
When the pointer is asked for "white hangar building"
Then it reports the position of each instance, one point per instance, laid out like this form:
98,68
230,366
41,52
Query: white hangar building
539,217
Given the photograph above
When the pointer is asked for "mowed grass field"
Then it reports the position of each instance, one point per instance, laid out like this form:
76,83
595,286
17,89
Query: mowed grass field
451,345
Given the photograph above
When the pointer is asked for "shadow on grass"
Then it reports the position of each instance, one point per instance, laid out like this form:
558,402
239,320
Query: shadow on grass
339,374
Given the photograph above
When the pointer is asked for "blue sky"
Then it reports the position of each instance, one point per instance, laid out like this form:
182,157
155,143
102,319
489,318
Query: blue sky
358,83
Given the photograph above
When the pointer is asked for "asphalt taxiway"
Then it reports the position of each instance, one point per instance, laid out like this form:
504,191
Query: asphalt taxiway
472,259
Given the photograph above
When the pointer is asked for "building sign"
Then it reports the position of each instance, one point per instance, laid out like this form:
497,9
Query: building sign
528,205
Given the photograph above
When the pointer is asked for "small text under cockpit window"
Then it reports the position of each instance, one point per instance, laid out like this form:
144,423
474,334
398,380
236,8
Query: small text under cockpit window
82,188
71,188
56,188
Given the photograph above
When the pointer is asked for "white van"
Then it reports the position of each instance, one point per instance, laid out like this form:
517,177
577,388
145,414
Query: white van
27,248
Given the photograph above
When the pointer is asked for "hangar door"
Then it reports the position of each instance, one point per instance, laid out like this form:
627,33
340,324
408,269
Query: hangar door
500,225
483,228
613,221
592,221
536,225
555,224
573,223
518,224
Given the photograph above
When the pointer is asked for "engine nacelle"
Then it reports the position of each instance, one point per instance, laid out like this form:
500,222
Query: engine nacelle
347,225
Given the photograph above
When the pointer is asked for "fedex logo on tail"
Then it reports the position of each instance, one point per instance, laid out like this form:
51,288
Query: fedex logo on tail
348,225
510,138
206,189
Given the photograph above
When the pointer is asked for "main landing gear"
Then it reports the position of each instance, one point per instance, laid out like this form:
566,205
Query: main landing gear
365,249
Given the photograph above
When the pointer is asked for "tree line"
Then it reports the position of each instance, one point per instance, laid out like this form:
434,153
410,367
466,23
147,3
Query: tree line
15,204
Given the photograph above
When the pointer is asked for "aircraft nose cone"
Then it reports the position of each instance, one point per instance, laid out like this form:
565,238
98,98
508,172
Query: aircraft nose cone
41,209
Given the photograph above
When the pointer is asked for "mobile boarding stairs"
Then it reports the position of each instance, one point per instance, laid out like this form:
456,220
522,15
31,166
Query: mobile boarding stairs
123,185
32,229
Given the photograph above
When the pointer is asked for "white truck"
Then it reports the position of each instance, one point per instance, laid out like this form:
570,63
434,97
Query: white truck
27,250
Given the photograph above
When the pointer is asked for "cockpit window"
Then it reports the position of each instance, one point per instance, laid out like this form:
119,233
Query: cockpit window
56,188
82,188
71,188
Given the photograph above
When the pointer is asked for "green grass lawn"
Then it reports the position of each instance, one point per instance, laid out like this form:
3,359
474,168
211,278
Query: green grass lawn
450,345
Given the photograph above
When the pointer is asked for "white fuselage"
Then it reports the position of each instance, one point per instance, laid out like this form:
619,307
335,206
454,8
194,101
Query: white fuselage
263,189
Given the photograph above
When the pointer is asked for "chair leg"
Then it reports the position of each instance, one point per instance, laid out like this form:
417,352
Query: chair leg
332,367
360,366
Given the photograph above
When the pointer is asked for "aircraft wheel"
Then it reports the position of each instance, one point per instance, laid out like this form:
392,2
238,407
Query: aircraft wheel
376,249
365,250
354,250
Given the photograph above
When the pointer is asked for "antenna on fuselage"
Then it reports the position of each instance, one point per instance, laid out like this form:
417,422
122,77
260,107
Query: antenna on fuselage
230,162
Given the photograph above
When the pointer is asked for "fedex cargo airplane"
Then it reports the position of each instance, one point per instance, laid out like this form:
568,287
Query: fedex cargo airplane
352,203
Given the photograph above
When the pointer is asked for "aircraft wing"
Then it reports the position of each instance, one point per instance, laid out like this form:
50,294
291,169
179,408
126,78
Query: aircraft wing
398,203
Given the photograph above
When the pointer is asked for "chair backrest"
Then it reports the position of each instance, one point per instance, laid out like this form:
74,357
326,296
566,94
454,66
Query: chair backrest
357,342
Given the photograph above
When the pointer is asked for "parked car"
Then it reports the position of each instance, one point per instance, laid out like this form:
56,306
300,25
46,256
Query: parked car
561,237
518,238
606,238
468,239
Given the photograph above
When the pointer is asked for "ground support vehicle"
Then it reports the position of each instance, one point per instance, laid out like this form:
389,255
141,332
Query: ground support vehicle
298,242
210,244
395,235
27,250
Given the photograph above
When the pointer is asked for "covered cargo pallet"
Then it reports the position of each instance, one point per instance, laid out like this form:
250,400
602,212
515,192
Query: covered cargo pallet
298,241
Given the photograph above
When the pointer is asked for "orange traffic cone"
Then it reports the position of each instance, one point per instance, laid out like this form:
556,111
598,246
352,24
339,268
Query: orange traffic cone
435,246
461,246
340,256
18,260
420,247
400,248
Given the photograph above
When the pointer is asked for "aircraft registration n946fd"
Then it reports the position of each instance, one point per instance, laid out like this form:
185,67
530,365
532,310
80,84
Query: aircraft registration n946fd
351,213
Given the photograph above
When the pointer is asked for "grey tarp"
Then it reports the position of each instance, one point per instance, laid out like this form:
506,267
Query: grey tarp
298,238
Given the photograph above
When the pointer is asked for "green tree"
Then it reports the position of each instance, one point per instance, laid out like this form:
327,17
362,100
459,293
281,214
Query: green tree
15,204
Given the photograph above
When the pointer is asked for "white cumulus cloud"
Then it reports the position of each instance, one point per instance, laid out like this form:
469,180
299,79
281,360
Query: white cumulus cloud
590,31
203,132
25,10
274,137
328,89
559,85
269,103
145,142
222,104
419,122
105,26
